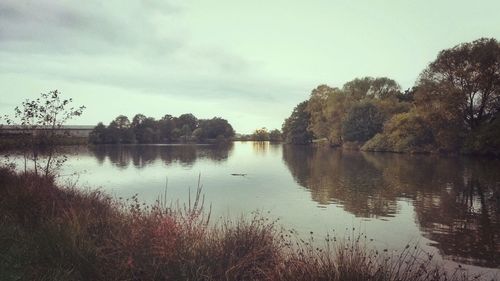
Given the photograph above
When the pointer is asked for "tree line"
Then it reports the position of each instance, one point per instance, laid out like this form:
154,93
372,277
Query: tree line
168,129
262,134
453,107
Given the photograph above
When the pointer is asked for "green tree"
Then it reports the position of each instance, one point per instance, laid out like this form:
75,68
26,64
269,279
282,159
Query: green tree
324,109
215,128
275,135
328,107
122,122
112,135
138,120
486,140
362,122
98,134
379,88
295,128
405,132
188,120
147,130
166,126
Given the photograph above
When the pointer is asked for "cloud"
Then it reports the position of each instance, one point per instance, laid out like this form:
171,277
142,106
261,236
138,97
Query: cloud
241,56
46,26
138,46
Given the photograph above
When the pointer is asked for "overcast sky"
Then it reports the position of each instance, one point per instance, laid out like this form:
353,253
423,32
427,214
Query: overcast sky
249,62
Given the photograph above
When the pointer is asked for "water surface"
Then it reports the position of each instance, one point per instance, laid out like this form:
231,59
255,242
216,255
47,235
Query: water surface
449,205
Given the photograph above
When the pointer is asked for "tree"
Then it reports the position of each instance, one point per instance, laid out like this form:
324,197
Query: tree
295,128
487,139
215,128
121,130
378,88
49,113
188,120
112,133
98,134
328,107
467,75
166,126
138,120
146,130
323,111
261,134
362,122
405,132
122,122
275,135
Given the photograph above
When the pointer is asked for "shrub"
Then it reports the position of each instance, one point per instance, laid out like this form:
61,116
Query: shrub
404,132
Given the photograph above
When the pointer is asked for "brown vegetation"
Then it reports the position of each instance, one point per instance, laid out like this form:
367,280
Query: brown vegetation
53,233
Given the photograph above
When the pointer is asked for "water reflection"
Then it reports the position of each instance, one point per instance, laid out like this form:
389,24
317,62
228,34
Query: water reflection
142,156
344,178
264,147
456,201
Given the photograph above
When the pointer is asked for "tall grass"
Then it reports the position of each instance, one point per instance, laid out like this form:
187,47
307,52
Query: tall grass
53,233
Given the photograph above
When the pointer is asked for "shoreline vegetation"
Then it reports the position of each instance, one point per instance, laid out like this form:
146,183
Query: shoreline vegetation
454,107
53,232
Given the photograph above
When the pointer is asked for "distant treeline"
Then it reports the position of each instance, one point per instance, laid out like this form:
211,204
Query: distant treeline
453,107
169,129
261,134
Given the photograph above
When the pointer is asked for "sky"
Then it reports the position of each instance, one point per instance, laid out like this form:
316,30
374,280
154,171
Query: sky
249,62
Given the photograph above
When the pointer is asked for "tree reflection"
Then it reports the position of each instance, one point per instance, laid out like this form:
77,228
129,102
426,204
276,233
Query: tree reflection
456,201
260,147
341,177
144,155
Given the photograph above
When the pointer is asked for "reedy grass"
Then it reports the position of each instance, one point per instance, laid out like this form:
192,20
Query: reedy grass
53,233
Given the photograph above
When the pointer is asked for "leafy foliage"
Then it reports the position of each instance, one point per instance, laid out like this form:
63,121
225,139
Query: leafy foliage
260,134
453,107
362,122
403,132
41,121
142,129
275,135
295,128
469,76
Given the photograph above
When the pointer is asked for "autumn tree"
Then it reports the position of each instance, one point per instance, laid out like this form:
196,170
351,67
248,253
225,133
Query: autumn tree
329,107
326,107
468,77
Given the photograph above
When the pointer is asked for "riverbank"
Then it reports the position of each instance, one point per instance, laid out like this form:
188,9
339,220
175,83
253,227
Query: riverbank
50,232
7,141
369,147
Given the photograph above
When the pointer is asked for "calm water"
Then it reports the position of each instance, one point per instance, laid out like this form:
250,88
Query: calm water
449,205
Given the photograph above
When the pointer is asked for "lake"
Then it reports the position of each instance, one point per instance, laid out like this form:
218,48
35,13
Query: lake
449,205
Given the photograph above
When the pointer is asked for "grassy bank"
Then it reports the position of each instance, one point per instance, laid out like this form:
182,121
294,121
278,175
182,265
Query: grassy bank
59,233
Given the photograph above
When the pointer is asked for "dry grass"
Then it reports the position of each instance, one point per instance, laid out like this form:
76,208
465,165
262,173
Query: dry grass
52,233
